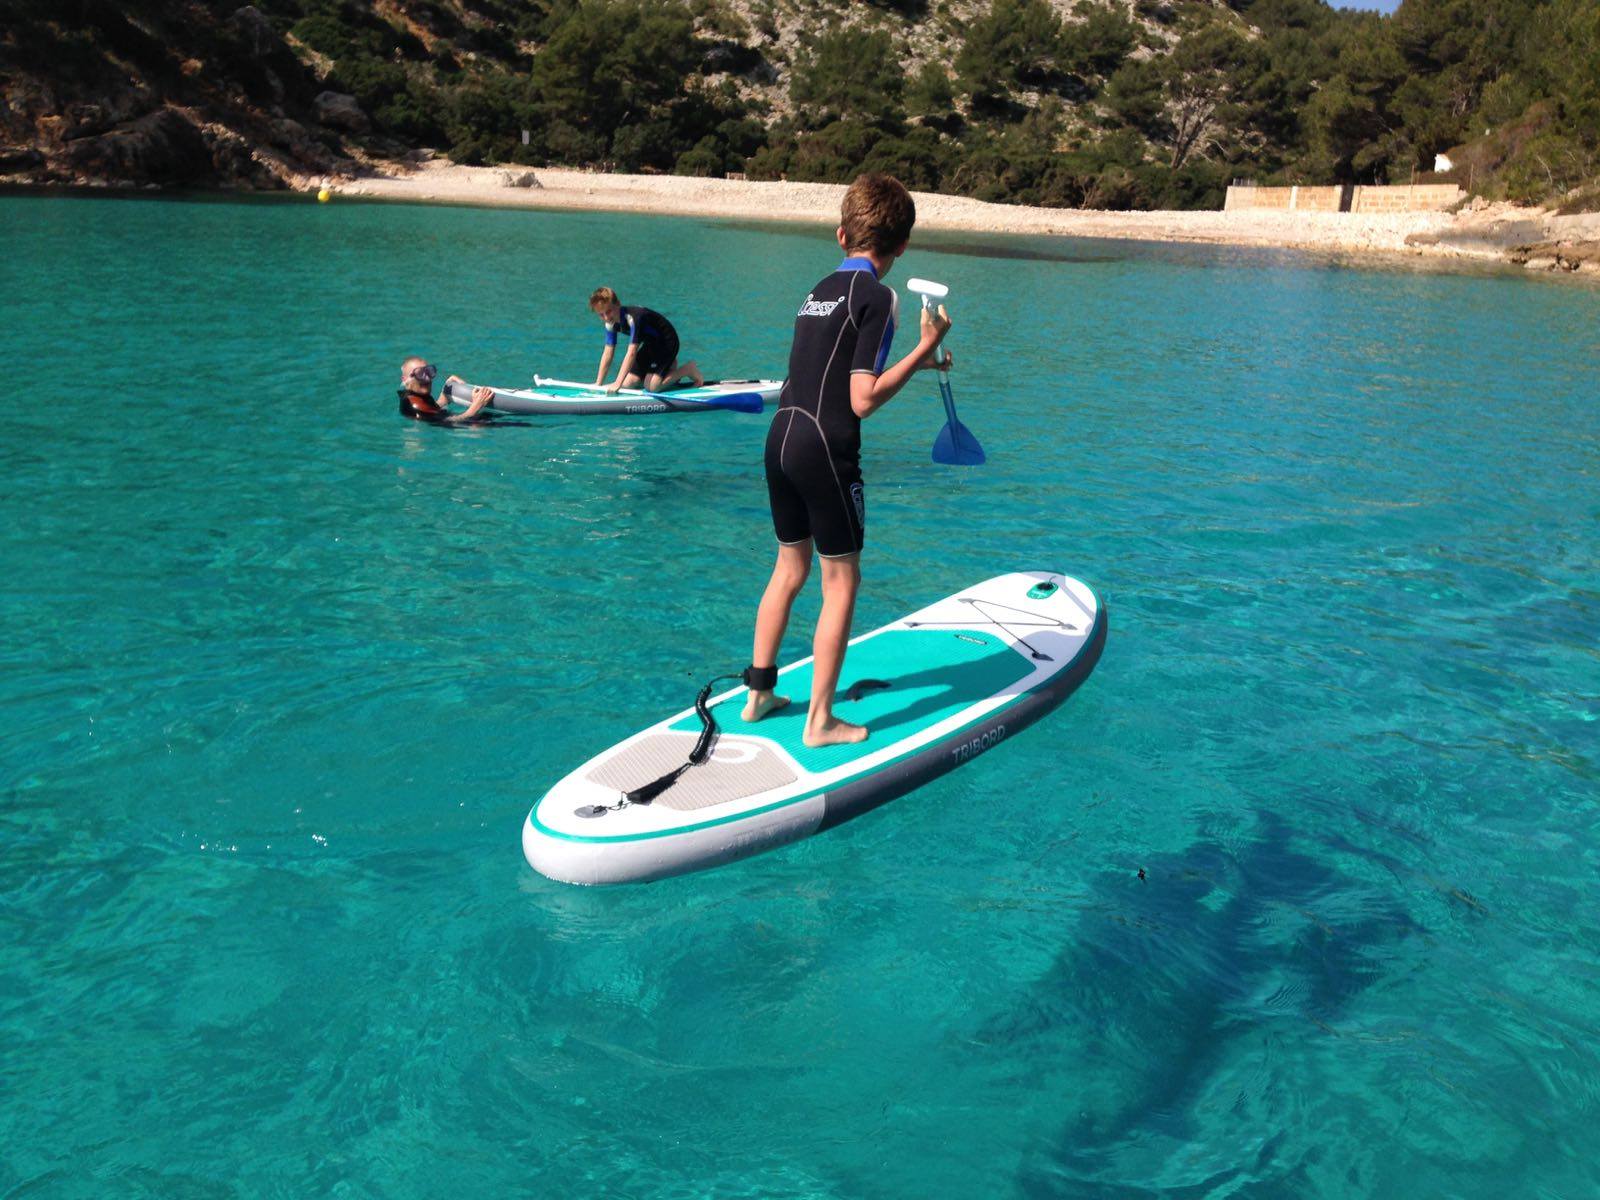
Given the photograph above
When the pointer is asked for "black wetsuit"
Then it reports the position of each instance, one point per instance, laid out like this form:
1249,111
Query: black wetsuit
413,405
653,334
813,460
419,408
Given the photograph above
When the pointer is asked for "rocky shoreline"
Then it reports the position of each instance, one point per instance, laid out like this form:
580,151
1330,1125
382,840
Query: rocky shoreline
112,145
207,98
142,116
1532,238
1499,234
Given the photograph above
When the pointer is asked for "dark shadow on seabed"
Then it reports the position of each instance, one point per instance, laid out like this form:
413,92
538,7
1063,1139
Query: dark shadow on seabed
1171,981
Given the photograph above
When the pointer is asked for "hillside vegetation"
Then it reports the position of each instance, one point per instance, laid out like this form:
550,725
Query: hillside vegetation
1100,103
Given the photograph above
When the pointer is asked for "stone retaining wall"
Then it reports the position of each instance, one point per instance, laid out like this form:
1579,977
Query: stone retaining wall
1418,197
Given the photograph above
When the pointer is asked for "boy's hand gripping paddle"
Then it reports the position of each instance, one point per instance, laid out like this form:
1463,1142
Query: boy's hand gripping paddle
955,446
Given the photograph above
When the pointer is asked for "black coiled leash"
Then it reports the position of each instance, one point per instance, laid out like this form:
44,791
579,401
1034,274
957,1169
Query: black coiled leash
759,679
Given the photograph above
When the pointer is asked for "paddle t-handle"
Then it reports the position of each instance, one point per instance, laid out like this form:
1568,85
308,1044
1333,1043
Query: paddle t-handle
930,292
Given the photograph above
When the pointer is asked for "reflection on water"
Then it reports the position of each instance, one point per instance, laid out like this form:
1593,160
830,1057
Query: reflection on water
1038,250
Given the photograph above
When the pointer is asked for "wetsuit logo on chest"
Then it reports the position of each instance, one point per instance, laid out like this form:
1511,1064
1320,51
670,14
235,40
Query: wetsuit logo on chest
818,308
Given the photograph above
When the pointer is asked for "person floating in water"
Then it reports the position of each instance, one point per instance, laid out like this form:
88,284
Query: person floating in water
651,359
838,376
417,402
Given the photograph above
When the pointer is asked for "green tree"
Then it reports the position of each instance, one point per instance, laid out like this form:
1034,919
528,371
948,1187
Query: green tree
706,158
930,96
849,75
484,119
612,75
1571,79
1211,82
917,159
1352,136
1136,96
1099,43
1013,44
833,154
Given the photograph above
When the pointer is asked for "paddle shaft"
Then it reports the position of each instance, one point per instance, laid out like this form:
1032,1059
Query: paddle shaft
944,393
955,444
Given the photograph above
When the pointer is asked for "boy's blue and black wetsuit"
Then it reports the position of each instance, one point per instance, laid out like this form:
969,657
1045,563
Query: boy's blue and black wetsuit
814,446
654,335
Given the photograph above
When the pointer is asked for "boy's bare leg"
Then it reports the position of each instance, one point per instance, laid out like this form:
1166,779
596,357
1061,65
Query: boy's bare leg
689,370
841,579
772,618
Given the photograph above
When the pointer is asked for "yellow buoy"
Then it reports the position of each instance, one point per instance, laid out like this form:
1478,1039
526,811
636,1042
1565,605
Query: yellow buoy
324,196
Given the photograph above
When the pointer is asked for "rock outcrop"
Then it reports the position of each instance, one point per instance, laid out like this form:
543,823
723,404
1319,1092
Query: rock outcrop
339,111
1530,238
122,99
1559,256
162,147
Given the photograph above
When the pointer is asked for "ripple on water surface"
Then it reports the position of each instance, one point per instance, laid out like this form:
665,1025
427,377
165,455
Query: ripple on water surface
284,673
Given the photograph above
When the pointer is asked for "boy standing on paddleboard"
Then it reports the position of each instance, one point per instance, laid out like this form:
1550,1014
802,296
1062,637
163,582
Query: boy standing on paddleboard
837,378
651,359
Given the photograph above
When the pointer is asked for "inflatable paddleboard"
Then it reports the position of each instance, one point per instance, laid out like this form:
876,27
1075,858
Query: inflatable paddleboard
937,689
563,396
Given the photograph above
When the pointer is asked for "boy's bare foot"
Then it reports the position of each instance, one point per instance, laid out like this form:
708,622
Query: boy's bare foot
760,704
691,371
834,733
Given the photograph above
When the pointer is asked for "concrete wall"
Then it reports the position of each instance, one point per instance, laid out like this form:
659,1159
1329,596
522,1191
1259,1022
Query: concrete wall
1418,197
1421,197
1257,197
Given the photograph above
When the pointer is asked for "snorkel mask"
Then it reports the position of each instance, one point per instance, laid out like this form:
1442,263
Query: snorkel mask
425,373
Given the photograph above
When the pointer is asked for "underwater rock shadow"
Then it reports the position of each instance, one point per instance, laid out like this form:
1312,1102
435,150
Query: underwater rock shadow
1163,979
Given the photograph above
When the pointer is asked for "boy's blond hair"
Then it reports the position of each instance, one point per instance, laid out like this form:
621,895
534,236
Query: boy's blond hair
410,365
877,214
602,298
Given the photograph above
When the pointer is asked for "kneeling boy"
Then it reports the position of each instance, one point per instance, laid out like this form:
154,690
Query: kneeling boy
651,358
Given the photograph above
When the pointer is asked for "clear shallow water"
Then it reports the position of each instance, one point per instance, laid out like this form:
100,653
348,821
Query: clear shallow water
283,672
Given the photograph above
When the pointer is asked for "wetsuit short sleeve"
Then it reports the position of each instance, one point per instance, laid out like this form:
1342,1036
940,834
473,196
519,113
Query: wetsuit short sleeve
875,319
611,334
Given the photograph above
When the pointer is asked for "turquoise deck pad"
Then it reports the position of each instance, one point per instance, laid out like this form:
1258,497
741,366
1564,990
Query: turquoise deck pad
564,391
574,397
933,674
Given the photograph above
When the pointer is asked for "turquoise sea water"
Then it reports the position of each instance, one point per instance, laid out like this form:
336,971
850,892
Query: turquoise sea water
282,673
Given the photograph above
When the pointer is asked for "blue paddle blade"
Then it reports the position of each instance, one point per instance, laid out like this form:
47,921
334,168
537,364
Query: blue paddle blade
956,447
748,402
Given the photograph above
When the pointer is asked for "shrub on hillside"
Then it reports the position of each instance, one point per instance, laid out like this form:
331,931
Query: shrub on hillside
1012,44
848,75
